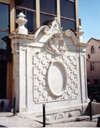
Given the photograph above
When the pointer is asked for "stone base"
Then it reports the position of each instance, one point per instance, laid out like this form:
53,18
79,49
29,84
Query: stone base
79,118
61,114
95,108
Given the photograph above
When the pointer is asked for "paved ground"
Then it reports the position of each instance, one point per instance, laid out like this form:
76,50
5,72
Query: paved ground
76,124
7,119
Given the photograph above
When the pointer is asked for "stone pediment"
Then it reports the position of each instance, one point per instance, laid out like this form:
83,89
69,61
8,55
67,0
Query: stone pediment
50,35
44,33
53,29
55,38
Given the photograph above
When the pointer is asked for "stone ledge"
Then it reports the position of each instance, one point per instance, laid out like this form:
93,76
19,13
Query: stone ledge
21,36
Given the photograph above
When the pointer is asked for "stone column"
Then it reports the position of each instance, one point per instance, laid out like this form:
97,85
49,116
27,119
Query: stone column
83,72
16,38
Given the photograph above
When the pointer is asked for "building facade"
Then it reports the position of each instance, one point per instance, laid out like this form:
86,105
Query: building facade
93,62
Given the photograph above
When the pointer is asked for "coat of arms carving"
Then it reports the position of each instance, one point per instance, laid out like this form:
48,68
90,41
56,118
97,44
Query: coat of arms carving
56,45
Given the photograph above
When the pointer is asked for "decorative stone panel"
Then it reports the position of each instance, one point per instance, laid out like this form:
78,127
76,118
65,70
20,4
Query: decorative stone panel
48,71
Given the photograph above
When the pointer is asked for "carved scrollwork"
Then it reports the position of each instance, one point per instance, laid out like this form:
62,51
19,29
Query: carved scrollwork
53,27
47,30
68,33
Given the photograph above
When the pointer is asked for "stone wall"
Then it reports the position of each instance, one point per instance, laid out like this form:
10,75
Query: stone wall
49,67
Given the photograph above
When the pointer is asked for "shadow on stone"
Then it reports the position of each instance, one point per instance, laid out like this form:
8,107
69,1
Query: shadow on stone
2,106
98,123
2,126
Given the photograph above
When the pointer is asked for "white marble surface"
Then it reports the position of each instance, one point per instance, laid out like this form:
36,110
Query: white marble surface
49,71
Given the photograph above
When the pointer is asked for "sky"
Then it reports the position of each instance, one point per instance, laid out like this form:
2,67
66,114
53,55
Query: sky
89,12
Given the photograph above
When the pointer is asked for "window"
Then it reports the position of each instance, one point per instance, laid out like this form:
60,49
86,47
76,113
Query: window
47,10
68,15
92,66
66,7
4,31
88,56
28,8
31,23
4,24
67,24
48,6
44,18
28,4
92,49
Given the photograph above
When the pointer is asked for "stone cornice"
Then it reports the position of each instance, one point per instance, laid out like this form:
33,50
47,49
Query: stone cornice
82,44
70,34
21,36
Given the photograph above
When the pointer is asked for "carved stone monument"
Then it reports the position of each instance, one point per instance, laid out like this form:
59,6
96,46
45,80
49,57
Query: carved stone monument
49,67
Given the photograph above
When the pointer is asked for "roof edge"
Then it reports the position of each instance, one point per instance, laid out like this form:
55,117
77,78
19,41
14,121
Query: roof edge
94,39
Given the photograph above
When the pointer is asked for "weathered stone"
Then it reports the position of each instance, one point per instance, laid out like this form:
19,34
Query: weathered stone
49,71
